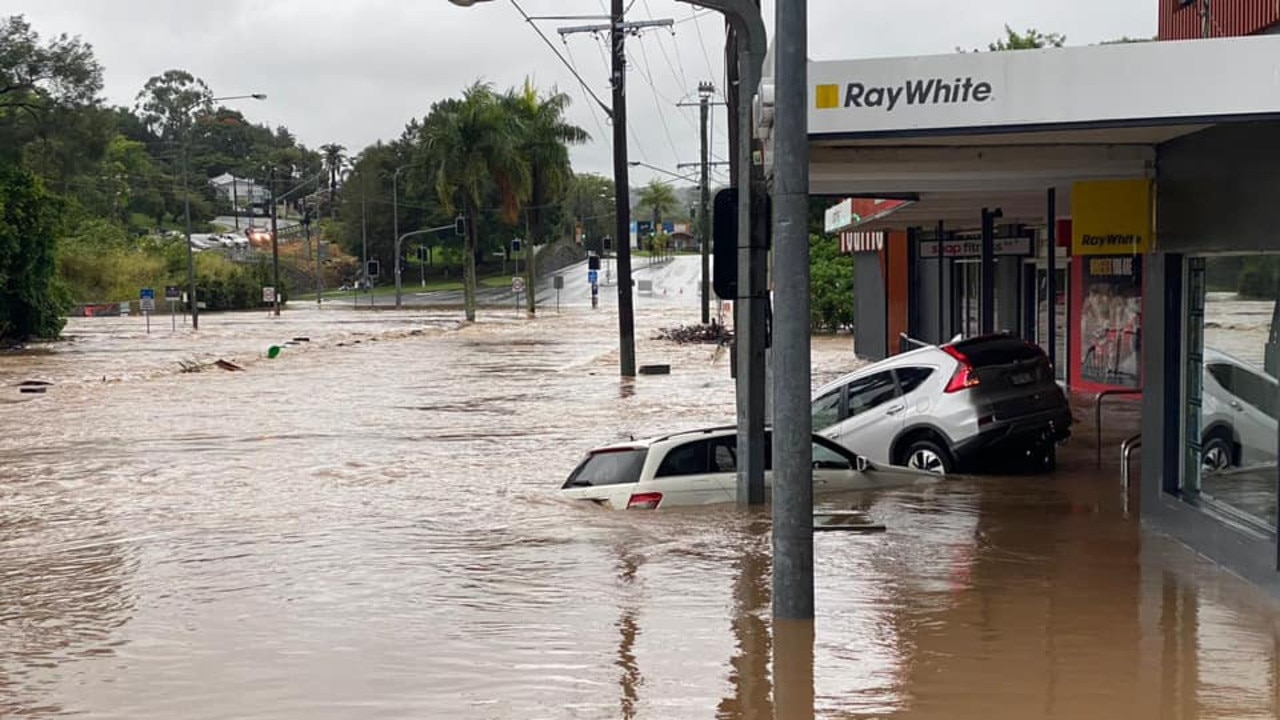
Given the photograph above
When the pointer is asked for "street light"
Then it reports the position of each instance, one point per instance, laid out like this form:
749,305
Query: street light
395,225
186,207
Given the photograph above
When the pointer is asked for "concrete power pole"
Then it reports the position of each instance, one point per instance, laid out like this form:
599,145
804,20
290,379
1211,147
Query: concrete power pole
792,427
618,29
704,101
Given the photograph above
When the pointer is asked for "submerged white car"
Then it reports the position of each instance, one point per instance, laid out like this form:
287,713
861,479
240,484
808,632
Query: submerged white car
699,467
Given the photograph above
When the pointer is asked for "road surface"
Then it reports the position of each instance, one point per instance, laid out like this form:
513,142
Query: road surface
673,283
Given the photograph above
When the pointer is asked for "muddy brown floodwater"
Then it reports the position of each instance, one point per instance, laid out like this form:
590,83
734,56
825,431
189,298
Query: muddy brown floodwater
367,527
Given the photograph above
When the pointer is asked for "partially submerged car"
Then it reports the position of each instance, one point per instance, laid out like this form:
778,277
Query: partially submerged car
950,408
699,467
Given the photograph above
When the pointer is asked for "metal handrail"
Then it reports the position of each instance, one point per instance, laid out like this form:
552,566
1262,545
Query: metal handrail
1126,452
1097,414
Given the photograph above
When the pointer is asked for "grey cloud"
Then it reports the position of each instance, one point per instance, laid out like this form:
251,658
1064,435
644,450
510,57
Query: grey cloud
356,72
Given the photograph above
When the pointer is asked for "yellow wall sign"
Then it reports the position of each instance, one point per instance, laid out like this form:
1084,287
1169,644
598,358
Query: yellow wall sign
1111,217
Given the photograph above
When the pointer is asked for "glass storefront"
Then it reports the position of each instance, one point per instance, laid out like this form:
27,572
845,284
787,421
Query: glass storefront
1231,435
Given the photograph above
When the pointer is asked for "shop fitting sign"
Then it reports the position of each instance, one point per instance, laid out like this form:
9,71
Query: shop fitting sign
919,91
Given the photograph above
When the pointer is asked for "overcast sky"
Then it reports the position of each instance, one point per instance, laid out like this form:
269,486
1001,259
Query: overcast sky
356,72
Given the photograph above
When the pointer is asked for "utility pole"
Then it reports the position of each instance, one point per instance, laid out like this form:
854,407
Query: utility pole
364,237
191,259
275,242
618,29
792,427
705,91
1206,20
306,222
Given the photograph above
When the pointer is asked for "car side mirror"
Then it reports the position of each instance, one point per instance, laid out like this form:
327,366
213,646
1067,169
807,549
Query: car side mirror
863,464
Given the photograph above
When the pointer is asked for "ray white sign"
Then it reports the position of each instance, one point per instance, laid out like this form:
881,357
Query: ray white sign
1150,81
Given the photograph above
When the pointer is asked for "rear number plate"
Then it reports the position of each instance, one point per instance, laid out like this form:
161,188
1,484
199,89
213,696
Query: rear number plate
1024,378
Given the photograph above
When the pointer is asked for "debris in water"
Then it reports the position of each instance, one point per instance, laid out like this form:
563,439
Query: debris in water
684,334
228,365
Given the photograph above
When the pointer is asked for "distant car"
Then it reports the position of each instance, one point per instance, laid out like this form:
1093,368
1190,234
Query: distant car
949,408
699,467
1238,413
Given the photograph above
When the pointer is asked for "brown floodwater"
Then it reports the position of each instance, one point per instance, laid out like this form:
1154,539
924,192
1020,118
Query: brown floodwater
367,527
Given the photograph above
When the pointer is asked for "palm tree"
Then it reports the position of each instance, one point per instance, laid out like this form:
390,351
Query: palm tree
472,145
658,197
334,156
544,143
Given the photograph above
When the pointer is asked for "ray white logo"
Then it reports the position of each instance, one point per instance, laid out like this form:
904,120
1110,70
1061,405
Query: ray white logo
932,91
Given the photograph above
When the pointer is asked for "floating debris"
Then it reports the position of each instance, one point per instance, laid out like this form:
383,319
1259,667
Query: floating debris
713,333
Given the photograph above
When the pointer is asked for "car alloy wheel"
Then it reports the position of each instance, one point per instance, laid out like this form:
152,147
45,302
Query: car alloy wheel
1217,456
926,459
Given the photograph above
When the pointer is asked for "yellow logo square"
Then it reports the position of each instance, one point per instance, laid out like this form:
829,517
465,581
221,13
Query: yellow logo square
827,96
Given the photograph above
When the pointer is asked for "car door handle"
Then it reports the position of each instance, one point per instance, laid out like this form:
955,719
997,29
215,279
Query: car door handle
895,409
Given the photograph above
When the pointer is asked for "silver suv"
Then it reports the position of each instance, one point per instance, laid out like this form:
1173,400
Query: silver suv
948,408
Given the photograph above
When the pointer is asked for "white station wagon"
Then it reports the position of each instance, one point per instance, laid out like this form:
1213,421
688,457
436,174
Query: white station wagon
699,467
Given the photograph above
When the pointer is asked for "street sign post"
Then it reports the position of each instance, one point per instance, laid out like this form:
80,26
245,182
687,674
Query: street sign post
148,297
269,296
517,287
172,294
559,285
595,296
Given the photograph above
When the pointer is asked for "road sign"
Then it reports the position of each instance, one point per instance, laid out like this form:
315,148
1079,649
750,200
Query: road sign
517,284
515,245
269,295
148,304
148,294
593,276
172,293
373,268
559,282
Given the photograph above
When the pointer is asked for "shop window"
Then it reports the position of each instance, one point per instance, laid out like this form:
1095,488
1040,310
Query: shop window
1232,393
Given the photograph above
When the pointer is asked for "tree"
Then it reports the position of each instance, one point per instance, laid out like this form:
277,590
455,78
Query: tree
49,115
31,301
831,289
470,145
1030,40
589,202
334,156
169,103
544,142
658,197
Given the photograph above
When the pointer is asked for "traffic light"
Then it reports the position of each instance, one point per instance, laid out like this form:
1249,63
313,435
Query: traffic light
460,226
724,240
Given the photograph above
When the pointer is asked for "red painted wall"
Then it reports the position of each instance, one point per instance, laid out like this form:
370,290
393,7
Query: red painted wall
1230,18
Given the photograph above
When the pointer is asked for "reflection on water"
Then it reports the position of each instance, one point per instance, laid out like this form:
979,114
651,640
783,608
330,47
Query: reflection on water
370,530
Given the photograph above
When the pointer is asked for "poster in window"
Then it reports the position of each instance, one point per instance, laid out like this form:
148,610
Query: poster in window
1109,320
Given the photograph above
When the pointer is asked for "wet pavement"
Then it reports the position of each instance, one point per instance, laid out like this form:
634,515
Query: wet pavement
367,527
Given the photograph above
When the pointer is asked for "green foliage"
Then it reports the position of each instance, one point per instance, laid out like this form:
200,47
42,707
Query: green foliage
31,300
1032,39
659,198
831,284
1260,278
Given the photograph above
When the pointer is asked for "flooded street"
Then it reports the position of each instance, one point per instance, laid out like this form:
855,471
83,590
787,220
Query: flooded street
367,527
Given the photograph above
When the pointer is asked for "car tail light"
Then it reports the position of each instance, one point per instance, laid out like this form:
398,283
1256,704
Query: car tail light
644,501
965,376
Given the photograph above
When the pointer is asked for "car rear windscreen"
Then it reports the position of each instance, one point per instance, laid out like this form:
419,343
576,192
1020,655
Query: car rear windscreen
609,467
989,351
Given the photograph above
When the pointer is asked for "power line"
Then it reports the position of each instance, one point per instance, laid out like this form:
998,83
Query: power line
572,69
595,118
666,128
711,69
681,79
